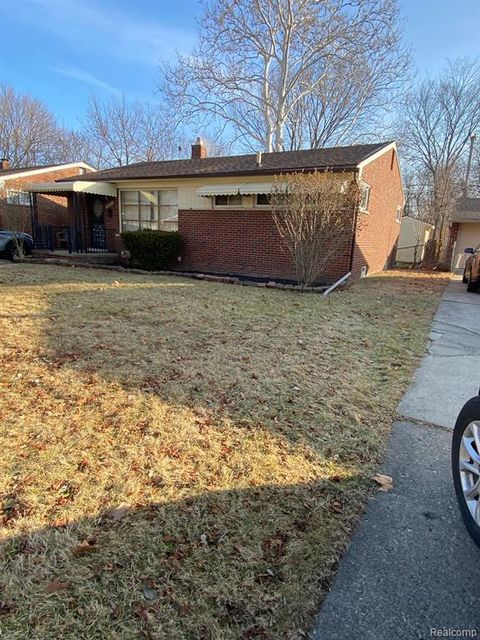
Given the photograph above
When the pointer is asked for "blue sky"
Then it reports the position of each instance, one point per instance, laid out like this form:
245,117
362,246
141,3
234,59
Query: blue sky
62,50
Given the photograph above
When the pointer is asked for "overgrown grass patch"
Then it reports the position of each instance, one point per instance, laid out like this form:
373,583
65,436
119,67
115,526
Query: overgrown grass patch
186,460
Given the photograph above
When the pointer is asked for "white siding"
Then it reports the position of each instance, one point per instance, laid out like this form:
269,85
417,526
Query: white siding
413,233
468,236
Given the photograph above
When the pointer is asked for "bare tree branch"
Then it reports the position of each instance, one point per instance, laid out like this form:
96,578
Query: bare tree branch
315,216
264,67
121,132
439,116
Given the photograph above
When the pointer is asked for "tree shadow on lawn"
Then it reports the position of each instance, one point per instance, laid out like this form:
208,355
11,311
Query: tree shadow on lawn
244,424
295,364
248,563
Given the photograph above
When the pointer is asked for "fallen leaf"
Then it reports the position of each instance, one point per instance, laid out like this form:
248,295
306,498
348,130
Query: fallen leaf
118,512
385,482
83,548
56,585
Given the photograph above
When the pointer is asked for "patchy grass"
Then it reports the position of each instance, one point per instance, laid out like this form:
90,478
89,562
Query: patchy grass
235,429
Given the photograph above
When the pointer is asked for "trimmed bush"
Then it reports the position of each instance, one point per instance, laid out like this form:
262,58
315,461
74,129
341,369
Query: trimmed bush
152,250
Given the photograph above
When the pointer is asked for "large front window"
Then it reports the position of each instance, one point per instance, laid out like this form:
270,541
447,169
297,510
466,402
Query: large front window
144,209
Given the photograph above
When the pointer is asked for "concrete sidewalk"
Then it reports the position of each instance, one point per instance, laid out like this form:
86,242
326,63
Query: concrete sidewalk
412,570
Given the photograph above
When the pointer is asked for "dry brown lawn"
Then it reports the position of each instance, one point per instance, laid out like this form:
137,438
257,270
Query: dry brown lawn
186,460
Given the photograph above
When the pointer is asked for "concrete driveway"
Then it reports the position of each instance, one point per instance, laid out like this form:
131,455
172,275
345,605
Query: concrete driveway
450,372
412,570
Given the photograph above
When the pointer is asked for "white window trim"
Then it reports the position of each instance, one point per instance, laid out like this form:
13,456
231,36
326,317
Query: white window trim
399,214
364,185
120,221
17,192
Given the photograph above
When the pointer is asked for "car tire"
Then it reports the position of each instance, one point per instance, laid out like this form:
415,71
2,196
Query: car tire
466,451
10,251
471,285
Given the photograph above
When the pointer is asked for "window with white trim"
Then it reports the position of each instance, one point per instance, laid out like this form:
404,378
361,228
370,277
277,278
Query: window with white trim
15,196
364,196
149,209
399,214
232,200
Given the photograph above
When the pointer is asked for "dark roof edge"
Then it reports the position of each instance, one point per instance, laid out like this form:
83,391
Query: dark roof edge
220,174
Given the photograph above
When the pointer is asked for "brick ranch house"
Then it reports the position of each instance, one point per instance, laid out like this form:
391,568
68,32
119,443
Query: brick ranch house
15,196
220,206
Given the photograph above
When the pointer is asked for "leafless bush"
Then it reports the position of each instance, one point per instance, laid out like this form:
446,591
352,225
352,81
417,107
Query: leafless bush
315,215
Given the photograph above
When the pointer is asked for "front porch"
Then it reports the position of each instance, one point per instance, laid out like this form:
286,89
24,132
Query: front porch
90,225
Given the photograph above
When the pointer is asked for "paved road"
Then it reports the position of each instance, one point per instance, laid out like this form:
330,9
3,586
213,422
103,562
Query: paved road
411,570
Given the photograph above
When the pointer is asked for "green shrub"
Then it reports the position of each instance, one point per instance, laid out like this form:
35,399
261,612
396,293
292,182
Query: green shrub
152,250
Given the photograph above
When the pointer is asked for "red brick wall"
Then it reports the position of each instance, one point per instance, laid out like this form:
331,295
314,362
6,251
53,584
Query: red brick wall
51,209
242,242
246,242
112,225
378,230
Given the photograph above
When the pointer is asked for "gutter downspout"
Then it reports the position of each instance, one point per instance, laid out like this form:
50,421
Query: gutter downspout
337,283
354,231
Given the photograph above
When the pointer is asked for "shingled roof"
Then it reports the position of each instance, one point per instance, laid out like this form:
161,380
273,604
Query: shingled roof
334,158
466,209
13,170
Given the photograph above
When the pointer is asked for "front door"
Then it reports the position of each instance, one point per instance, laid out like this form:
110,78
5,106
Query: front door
98,236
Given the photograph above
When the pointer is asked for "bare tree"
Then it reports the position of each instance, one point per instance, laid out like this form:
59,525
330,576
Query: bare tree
315,216
440,115
122,132
263,67
28,131
74,146
348,105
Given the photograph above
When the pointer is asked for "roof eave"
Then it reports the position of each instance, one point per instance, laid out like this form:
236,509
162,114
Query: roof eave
225,174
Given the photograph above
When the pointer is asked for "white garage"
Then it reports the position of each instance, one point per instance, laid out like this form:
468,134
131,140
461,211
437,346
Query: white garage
466,224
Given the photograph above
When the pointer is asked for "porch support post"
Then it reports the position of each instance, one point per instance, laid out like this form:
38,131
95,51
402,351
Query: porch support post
34,216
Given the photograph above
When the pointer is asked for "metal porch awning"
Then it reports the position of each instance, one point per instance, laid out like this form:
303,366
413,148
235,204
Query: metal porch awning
218,190
244,189
255,188
76,186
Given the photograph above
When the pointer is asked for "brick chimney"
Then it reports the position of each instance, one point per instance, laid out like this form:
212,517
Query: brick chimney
4,163
199,150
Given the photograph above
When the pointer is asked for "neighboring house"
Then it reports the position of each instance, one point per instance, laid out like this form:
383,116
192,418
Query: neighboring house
221,208
464,231
414,235
15,196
